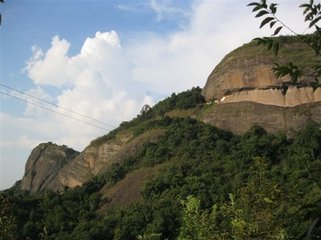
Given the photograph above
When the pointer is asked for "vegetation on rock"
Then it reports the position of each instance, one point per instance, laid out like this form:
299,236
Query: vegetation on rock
247,186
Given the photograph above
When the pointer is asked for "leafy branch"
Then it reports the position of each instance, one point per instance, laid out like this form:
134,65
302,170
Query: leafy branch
289,69
269,13
312,13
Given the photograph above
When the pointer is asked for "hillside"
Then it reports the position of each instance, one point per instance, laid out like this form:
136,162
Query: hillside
136,182
143,193
248,94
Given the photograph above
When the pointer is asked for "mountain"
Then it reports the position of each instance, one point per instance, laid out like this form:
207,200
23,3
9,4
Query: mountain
249,94
247,145
241,91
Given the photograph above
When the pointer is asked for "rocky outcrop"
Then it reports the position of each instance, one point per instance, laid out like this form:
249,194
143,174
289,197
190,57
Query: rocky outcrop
247,93
239,117
98,157
54,167
249,67
44,164
88,163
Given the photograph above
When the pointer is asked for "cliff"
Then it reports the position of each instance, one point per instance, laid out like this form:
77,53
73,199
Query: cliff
247,93
249,68
44,164
54,167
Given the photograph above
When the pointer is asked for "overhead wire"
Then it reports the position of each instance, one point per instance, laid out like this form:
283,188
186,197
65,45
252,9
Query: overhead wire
51,110
57,106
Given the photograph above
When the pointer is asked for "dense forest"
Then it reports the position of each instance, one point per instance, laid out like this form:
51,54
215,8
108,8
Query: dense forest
212,185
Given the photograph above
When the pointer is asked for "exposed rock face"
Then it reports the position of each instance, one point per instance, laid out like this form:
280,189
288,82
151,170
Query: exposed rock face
87,164
44,164
294,96
248,93
249,67
54,167
239,117
96,158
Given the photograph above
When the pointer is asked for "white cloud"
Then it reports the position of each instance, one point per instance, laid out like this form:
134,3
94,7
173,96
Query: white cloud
54,73
167,9
98,84
32,108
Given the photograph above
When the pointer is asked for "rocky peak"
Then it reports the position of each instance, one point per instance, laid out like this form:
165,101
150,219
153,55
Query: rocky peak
43,165
248,68
247,92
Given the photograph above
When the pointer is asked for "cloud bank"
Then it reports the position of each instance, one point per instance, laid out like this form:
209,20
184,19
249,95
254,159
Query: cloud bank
96,82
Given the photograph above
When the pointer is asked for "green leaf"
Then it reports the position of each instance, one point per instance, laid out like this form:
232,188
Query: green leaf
276,48
253,4
273,7
267,200
272,24
305,11
257,8
261,13
308,17
265,21
314,21
277,30
270,44
305,5
263,41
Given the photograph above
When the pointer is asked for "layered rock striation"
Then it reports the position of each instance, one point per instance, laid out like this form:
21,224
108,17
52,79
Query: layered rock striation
248,93
249,68
291,97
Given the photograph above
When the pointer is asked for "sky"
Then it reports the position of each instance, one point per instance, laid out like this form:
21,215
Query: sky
72,70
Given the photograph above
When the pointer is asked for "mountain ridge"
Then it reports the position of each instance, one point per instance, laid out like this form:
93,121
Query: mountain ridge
240,156
241,101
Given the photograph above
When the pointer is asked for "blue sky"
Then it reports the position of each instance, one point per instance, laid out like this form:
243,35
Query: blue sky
105,59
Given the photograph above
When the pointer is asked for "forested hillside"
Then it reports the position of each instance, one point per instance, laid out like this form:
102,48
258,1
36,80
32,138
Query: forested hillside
203,183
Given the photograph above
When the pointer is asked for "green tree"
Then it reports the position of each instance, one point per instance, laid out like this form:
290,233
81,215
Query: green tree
8,225
198,224
251,213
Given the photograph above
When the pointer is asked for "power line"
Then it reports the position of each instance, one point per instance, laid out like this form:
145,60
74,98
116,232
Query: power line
57,106
50,110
